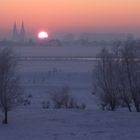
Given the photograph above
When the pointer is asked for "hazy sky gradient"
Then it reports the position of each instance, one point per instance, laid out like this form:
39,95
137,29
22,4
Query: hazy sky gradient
72,15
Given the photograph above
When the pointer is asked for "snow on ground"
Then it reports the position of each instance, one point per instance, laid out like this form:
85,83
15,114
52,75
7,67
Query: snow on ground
66,66
57,51
41,85
31,122
37,124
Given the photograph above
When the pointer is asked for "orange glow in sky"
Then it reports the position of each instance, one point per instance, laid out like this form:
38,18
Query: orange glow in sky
72,15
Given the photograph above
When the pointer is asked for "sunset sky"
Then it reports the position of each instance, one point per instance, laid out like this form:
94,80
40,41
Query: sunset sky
72,15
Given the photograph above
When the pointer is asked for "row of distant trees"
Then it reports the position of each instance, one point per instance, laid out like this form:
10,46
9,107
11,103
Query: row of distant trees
58,42
117,79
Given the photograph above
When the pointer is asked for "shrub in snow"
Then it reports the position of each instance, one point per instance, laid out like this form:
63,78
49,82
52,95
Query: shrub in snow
30,96
46,105
25,100
83,106
62,99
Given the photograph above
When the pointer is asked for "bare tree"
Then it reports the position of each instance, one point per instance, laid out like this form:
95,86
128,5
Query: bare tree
118,76
131,69
9,82
121,77
122,86
106,80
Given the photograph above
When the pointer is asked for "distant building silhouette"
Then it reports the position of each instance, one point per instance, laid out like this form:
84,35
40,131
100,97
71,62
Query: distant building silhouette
19,36
15,36
22,33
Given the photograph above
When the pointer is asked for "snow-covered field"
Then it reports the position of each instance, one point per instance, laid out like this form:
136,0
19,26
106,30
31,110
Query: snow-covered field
39,79
72,51
40,124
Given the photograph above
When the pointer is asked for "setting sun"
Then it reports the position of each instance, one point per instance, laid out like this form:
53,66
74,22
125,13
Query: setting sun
42,35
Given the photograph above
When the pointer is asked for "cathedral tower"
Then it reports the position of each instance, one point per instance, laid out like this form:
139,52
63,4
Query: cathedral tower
19,36
15,36
22,33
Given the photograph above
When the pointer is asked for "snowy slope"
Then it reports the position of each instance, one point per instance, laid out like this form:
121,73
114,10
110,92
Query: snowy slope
71,125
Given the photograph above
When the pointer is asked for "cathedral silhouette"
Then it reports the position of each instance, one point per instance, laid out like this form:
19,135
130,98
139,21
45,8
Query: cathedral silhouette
19,36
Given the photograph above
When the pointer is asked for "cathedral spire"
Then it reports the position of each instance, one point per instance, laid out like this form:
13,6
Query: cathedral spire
22,32
15,32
